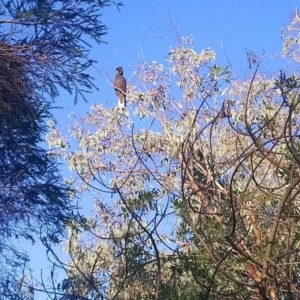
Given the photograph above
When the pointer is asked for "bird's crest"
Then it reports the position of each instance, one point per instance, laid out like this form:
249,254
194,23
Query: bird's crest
119,70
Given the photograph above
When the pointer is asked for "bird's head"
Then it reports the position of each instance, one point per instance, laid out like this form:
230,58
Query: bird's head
119,70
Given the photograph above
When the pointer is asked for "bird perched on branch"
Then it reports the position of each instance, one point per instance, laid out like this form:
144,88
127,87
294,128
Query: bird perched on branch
120,87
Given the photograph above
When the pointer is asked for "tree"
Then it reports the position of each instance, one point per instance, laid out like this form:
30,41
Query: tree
199,199
42,50
34,200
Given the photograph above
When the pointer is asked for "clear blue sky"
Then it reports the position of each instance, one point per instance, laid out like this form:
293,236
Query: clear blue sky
140,31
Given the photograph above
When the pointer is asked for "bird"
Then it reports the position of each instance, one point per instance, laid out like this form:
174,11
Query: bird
120,87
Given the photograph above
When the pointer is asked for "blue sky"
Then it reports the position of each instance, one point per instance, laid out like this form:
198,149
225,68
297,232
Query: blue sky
143,30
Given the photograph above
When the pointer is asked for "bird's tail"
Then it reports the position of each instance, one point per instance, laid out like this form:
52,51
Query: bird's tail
122,102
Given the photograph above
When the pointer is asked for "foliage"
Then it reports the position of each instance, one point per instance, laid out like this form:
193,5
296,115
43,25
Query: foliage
196,186
51,36
34,200
42,50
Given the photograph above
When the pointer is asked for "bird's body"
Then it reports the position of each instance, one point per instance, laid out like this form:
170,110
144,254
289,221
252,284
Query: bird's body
120,87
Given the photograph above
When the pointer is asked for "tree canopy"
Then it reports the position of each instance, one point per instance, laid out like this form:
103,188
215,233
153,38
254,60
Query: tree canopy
195,186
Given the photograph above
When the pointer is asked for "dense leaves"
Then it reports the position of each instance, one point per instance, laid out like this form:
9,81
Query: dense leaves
34,200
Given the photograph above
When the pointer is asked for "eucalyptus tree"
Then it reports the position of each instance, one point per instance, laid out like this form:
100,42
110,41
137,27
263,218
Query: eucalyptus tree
195,184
